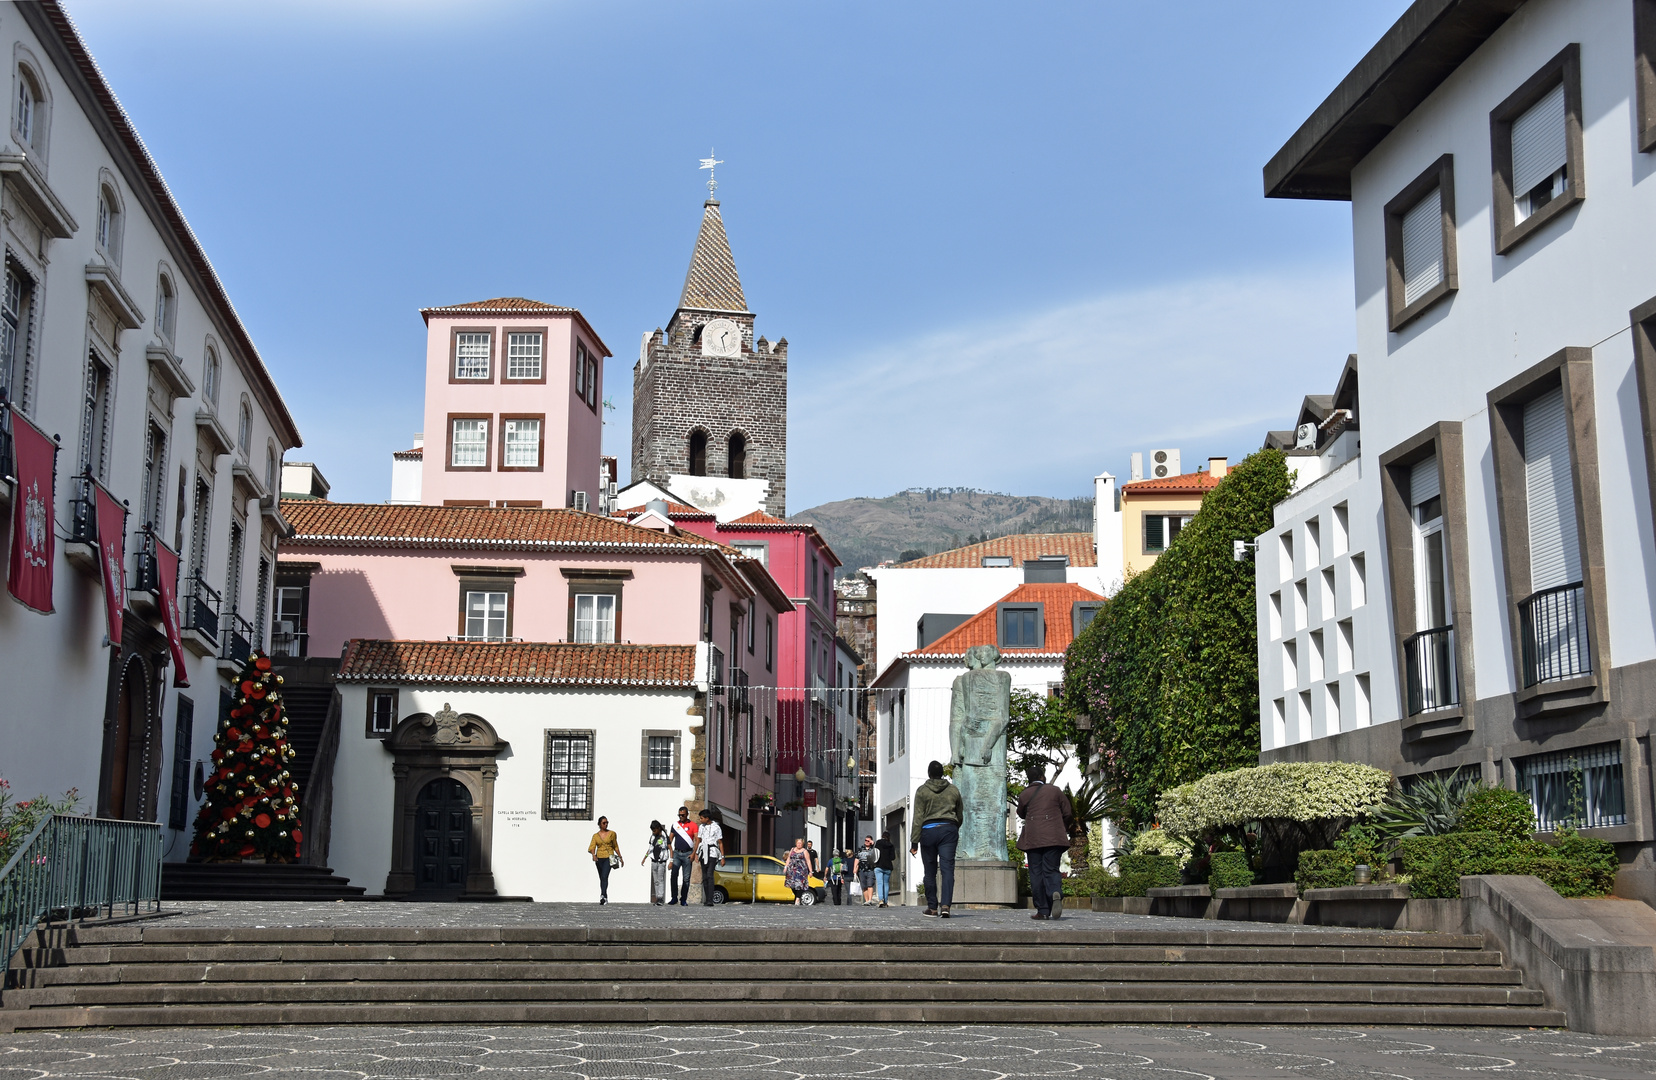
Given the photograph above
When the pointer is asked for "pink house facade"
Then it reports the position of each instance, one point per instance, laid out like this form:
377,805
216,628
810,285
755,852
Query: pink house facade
513,405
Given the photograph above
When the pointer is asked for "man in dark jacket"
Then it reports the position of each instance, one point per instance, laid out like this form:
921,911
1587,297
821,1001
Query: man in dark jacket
1045,836
937,810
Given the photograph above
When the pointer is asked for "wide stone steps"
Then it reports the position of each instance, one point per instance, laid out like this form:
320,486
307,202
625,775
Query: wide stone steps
151,973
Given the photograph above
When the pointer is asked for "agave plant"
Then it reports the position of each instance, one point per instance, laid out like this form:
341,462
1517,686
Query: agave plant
1431,806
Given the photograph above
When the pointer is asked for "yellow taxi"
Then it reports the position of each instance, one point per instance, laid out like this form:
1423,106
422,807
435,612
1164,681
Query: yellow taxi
743,875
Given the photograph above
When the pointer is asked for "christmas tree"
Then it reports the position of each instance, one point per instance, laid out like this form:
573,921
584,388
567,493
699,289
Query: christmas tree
252,805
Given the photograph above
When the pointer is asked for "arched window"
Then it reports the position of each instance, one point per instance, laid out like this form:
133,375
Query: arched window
108,232
698,453
210,378
244,427
29,111
738,456
271,468
166,307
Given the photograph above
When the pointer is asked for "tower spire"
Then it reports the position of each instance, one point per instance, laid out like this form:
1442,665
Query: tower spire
711,283
710,163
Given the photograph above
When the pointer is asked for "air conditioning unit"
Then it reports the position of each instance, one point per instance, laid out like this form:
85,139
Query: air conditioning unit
1164,463
612,489
580,500
286,628
1305,437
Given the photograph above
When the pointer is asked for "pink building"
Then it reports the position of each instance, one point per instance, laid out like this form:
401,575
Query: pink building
513,405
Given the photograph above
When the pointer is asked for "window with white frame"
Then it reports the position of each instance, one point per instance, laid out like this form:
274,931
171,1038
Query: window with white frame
661,758
382,712
470,445
13,348
471,356
94,418
155,473
580,370
522,443
210,377
568,779
27,114
166,307
592,381
107,232
759,552
244,428
1160,530
523,356
594,619
485,615
271,469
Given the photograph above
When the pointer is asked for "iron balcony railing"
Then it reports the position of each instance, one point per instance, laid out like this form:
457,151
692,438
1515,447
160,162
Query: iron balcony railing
200,608
237,643
83,511
71,869
1430,658
8,459
1553,625
146,572
287,642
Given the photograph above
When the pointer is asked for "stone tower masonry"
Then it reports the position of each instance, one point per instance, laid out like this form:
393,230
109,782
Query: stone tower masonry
706,383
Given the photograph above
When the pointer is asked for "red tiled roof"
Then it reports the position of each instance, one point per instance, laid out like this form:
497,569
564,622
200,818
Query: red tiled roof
759,517
980,629
319,522
1189,483
674,510
1077,545
500,304
519,663
416,452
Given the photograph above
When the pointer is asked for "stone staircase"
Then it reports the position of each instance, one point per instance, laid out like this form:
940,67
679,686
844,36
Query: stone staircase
154,974
255,881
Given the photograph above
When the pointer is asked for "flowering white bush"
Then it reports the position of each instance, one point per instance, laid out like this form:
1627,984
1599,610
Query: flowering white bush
1161,842
1295,791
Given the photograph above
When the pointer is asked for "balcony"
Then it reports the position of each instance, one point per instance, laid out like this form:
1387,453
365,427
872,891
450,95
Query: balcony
236,642
1553,631
1430,658
286,639
80,547
144,586
199,610
8,461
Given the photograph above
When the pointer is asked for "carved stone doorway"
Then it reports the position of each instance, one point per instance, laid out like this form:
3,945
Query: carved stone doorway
444,814
434,754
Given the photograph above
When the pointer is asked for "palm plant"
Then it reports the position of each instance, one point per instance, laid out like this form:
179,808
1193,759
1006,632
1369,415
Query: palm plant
1431,806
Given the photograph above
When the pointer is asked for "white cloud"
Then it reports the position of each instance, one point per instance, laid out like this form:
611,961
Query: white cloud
1040,402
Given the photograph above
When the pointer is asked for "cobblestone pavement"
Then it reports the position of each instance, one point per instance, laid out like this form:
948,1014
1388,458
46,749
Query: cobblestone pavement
354,913
797,1053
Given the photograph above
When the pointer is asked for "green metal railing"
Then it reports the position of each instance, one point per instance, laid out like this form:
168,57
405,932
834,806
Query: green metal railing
72,869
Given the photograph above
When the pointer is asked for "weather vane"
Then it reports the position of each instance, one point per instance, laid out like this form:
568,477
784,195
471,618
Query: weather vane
708,163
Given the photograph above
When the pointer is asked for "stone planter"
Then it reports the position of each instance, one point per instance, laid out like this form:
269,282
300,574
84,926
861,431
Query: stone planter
1259,903
1183,902
1122,905
1383,907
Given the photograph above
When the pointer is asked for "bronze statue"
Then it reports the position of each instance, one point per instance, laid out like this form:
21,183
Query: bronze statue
979,708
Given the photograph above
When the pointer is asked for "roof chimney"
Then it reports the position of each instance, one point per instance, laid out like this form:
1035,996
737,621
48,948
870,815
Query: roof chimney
1218,466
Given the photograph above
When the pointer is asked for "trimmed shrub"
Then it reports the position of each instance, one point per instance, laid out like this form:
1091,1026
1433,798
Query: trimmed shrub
1575,866
1125,885
1327,869
1159,871
1501,811
1156,841
1229,870
1302,791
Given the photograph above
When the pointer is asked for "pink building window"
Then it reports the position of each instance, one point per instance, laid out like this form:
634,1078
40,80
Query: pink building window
523,356
471,356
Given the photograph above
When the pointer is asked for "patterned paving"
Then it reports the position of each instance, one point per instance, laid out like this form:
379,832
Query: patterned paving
798,1053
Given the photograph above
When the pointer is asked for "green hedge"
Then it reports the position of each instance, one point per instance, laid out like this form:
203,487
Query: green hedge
1574,866
1229,870
1326,869
1169,670
1159,871
1497,810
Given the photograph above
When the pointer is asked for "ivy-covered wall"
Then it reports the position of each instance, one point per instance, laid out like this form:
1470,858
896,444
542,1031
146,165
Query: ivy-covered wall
1169,672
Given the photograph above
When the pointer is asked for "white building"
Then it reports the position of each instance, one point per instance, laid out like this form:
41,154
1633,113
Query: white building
1032,625
1497,157
117,337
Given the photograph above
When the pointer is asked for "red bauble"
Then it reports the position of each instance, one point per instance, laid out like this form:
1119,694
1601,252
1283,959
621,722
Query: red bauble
297,836
262,663
247,686
262,820
246,849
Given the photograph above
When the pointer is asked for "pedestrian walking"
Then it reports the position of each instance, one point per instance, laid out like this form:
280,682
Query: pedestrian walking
937,810
864,869
816,864
605,850
655,857
836,876
710,851
796,870
1047,817
684,853
884,861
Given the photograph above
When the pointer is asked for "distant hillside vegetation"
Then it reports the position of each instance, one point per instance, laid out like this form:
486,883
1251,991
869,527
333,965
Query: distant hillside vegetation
924,521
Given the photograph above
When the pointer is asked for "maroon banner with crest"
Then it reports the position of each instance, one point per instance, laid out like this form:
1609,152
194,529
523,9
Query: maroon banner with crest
34,538
111,558
166,572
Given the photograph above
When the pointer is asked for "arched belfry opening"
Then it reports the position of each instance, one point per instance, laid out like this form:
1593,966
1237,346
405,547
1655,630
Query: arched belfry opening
738,456
698,453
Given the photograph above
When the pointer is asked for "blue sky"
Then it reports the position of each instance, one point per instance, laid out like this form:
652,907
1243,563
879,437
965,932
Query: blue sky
1008,244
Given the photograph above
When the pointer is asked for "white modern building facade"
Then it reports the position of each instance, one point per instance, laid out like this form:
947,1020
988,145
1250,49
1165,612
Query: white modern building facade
118,339
1498,160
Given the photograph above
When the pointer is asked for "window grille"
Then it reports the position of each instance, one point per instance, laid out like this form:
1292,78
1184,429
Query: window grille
523,356
1423,246
485,616
384,712
661,757
471,356
568,775
471,443
1575,788
594,619
522,443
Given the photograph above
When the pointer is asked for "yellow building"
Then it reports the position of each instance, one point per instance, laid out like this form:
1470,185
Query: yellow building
1153,511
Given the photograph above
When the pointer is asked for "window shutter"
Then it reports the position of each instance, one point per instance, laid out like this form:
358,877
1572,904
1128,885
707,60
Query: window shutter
1423,246
1423,481
1555,551
1538,143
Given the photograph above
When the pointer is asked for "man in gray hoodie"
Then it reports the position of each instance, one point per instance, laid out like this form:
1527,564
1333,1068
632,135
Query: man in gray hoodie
937,812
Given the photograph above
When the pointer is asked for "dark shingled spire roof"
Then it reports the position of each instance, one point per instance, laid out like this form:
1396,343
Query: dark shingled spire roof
711,283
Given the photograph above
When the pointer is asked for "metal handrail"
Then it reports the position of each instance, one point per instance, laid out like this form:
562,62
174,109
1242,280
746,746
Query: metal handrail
237,642
1430,659
83,511
71,869
146,572
200,606
1554,633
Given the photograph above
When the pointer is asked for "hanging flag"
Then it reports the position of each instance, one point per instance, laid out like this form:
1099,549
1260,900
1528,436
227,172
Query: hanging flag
166,572
111,557
34,542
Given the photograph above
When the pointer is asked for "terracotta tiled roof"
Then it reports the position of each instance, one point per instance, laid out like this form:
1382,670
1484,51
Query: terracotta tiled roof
674,510
519,663
980,629
759,517
416,452
711,282
1078,546
319,522
1189,483
501,305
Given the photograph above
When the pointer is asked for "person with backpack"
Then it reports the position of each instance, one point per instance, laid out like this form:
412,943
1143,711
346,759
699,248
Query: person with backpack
863,867
938,812
1045,837
836,876
655,857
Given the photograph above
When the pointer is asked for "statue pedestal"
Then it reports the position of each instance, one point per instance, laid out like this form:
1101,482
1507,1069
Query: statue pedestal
988,883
